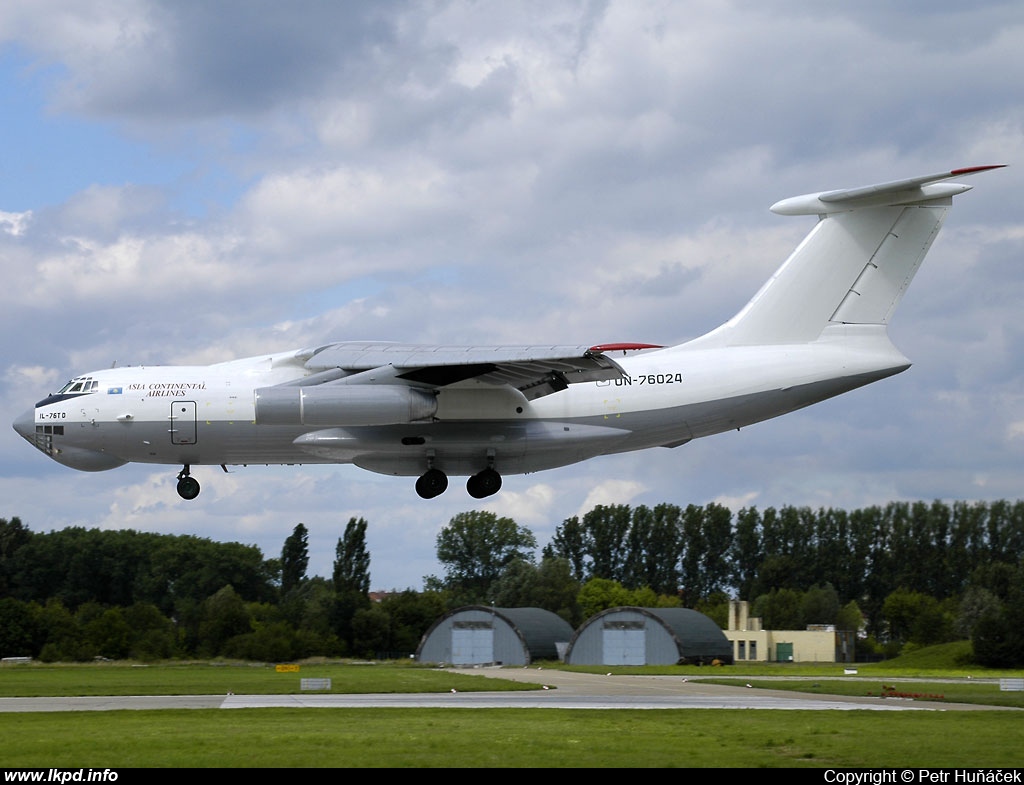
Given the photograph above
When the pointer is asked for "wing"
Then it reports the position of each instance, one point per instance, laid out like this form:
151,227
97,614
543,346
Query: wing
535,371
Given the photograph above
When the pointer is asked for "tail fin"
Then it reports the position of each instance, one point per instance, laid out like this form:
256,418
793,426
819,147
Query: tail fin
853,267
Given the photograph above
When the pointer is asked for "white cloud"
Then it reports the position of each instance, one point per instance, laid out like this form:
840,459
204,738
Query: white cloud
611,492
15,224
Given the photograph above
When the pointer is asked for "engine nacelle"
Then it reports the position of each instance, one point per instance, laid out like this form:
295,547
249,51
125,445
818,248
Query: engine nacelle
344,404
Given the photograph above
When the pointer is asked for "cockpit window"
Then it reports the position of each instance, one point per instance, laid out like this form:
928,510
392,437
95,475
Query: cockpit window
83,385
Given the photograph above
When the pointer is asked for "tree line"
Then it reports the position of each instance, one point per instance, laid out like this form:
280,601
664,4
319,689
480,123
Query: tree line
935,549
901,574
78,594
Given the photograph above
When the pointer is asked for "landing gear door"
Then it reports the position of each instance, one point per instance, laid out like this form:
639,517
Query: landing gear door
183,422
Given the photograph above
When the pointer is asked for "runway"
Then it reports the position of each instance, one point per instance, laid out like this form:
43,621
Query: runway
559,690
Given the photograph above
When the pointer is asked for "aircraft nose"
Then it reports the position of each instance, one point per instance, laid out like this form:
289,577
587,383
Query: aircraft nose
26,424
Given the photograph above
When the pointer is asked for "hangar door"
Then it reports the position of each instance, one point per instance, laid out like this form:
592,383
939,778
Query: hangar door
623,643
472,642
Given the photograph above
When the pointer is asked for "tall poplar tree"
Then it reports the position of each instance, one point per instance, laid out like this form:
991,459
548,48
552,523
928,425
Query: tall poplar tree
352,560
294,559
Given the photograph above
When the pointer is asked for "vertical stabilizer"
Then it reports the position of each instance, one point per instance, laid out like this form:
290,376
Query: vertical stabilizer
853,267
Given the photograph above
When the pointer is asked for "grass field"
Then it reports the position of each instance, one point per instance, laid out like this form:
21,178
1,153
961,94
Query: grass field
534,738
514,738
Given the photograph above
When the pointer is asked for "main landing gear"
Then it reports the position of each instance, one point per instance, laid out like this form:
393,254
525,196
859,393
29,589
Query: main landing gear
483,484
434,482
188,486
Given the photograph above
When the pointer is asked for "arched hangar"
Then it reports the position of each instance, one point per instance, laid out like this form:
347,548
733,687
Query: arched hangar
479,635
648,636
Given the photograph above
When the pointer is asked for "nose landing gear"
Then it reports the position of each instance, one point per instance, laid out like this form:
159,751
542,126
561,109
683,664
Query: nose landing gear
188,486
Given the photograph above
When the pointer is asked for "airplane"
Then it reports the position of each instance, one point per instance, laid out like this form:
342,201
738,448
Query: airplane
815,330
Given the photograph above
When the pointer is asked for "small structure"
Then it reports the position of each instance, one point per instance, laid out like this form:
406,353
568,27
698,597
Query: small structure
479,635
818,643
648,636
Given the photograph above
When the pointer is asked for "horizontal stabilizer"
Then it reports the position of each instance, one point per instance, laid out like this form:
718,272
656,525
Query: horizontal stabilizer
898,192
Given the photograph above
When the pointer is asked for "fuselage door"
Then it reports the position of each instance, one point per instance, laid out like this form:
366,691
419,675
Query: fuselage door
183,422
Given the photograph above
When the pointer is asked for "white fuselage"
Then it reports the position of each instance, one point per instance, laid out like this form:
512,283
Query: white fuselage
194,415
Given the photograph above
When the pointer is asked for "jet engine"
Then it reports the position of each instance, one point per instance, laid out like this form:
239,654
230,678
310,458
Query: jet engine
345,404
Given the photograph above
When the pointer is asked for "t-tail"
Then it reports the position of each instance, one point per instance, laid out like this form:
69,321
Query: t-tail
854,266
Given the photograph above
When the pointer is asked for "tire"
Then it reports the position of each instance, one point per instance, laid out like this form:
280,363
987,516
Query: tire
188,488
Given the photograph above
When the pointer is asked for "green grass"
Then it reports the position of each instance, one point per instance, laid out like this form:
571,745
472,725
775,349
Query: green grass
514,738
534,738
37,680
979,694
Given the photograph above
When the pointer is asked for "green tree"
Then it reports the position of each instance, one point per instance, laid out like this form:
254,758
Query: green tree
976,603
294,559
835,560
548,585
872,525
13,535
653,548
475,547
776,571
850,617
109,634
152,633
998,636
18,629
779,609
351,579
224,616
372,632
716,608
716,530
607,530
820,605
410,615
570,543
318,603
60,633
745,551
993,641
599,594
515,587
556,590
352,560
915,617
1005,532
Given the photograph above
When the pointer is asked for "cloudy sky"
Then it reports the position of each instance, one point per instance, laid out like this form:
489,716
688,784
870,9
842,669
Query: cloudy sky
190,182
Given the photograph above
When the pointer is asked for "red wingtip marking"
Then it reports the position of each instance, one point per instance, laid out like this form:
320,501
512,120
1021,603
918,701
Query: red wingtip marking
973,169
624,347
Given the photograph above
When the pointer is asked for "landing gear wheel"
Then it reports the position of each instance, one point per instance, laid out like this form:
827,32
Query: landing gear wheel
483,484
188,487
433,483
